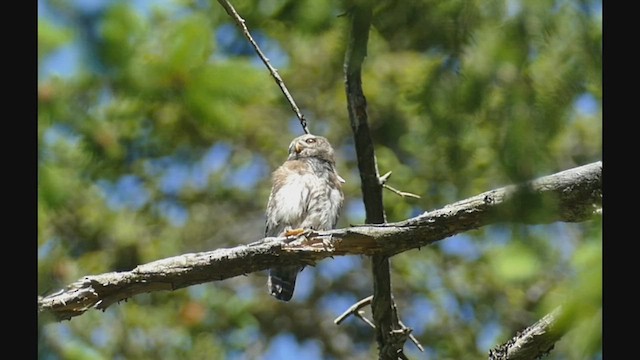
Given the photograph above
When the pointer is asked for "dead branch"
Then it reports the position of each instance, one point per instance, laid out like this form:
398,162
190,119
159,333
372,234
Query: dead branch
572,195
383,181
531,343
353,310
274,73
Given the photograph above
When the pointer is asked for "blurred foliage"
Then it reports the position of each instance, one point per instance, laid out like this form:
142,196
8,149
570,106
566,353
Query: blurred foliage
162,138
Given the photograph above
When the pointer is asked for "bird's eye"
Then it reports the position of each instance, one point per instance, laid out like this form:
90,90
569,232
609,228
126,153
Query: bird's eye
310,141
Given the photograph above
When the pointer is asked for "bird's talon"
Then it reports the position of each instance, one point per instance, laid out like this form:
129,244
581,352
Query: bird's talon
294,232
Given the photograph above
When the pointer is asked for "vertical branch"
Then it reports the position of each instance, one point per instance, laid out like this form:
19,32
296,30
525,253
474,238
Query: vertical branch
381,304
274,73
357,107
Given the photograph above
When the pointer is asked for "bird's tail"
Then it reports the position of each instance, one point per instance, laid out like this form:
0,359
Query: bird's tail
282,281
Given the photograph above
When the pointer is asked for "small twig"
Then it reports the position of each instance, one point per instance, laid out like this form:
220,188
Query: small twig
401,193
403,328
353,310
241,23
383,181
411,337
360,315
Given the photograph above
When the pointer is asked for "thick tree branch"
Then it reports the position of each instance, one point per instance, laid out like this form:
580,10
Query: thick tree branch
532,343
573,195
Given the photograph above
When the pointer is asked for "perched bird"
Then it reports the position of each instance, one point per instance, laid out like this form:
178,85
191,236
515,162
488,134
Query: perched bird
306,195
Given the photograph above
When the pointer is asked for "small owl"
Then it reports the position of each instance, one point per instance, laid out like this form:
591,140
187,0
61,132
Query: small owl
306,194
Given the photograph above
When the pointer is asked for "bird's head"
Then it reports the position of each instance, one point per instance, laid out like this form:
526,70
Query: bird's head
309,145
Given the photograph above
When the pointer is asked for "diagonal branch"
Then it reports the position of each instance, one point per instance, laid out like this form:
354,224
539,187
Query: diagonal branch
353,310
274,73
383,180
531,343
575,195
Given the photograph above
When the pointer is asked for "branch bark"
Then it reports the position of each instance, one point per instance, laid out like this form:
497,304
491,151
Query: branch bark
576,195
533,342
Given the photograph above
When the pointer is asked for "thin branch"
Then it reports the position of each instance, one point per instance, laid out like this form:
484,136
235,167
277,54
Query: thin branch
385,177
404,330
360,315
532,343
400,193
353,309
383,181
574,194
274,73
412,337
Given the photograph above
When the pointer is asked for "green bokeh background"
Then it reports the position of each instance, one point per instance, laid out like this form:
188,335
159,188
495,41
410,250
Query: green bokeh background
162,139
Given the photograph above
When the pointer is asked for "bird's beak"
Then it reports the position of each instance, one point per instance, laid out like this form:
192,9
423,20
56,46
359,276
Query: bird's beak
297,148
